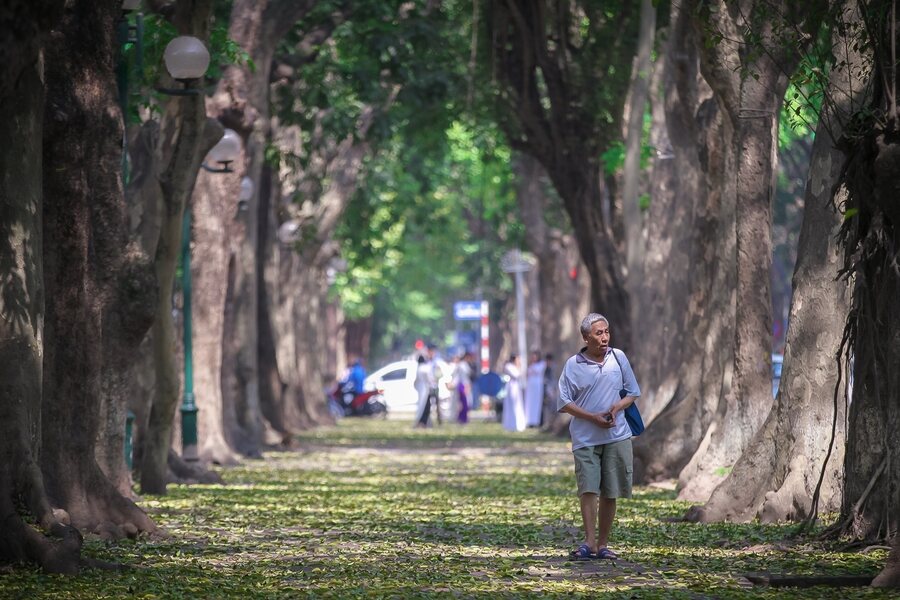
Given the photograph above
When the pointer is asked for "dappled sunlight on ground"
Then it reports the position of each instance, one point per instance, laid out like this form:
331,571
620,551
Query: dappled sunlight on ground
373,508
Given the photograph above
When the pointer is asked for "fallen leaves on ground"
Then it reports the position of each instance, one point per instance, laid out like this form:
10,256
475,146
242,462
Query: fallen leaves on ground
375,509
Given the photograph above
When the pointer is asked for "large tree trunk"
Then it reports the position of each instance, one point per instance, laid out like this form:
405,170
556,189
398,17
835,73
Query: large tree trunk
750,88
23,501
548,77
296,315
271,384
563,295
295,398
690,258
127,364
631,176
580,190
777,477
227,296
871,237
213,209
127,319
185,137
87,269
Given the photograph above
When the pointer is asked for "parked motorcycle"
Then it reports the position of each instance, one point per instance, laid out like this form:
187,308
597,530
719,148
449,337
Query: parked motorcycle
366,404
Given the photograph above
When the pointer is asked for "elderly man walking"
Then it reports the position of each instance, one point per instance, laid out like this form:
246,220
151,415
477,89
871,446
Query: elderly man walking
595,387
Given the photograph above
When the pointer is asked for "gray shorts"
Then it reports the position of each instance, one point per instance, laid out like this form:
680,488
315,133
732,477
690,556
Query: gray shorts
605,469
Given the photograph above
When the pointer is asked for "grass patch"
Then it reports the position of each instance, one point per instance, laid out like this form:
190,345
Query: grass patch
373,508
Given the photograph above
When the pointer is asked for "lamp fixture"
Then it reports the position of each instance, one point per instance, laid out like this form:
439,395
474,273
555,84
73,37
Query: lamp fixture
186,60
224,152
246,194
289,232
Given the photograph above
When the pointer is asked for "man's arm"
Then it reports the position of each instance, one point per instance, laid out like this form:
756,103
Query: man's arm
595,418
621,405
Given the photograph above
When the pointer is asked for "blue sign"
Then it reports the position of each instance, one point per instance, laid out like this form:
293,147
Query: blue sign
467,339
467,310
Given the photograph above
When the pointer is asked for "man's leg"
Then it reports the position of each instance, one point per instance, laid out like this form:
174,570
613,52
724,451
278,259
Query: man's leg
589,519
607,515
617,461
587,476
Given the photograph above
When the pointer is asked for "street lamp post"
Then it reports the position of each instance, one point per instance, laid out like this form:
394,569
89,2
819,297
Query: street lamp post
188,406
186,59
519,263
224,152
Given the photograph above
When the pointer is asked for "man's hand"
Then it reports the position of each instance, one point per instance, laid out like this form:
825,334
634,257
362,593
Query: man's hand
604,420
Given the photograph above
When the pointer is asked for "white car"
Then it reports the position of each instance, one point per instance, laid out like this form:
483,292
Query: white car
397,381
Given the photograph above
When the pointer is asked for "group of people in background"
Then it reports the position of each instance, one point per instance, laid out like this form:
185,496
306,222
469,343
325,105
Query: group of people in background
429,376
523,410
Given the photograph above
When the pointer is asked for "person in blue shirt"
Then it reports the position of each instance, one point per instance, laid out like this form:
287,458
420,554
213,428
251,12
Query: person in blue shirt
589,390
357,375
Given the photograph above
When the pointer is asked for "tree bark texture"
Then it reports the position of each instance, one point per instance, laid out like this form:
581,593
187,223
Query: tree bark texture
88,268
143,198
890,575
185,137
228,365
297,298
563,296
23,502
685,351
777,477
871,503
750,88
129,314
213,209
296,288
271,385
634,136
548,77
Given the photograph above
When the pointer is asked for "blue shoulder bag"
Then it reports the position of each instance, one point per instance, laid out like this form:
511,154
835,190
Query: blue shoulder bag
632,414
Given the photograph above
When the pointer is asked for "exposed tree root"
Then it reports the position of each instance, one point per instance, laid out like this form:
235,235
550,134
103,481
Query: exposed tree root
842,527
890,575
30,530
803,581
20,542
181,471
95,506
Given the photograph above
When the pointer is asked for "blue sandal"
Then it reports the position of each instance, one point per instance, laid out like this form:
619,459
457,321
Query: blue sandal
584,552
606,553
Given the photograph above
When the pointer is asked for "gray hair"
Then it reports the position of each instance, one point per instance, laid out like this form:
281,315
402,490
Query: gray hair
590,320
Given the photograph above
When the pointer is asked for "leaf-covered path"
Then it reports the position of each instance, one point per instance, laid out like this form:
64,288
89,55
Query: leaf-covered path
373,508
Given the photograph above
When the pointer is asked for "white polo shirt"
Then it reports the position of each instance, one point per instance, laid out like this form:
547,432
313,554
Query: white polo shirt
595,387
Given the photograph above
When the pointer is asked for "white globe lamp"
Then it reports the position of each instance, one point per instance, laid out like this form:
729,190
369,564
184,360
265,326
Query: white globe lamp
245,195
186,58
288,232
246,189
227,149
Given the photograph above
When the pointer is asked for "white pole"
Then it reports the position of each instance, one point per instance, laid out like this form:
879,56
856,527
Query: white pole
520,319
485,338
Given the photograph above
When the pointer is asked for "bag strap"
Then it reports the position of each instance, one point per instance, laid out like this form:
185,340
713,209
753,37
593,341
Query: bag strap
621,370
